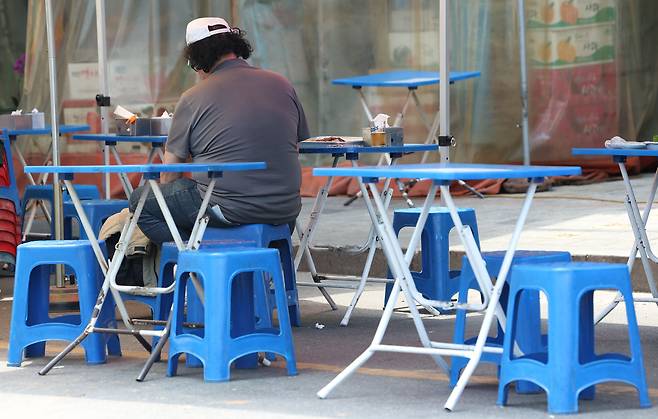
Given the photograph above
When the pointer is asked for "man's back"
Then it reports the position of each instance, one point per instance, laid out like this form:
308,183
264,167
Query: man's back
242,113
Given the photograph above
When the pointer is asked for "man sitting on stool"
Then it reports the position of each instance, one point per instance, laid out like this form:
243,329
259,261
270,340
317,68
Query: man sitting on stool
236,113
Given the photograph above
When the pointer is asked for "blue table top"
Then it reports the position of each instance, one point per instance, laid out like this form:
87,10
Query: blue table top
155,139
352,149
149,168
449,171
405,78
621,152
63,129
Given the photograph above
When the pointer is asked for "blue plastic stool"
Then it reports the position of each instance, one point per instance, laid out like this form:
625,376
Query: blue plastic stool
230,329
570,368
97,210
45,193
31,326
435,280
160,304
529,337
262,235
272,236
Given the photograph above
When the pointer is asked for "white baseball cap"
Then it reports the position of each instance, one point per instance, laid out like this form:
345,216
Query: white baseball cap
204,27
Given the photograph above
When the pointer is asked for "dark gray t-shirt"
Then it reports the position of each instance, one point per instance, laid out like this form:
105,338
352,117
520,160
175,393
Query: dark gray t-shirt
239,114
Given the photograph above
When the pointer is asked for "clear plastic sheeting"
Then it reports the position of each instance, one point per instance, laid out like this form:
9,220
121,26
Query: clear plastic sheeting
592,64
13,14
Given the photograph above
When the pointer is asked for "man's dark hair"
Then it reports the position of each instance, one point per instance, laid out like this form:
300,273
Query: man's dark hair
203,54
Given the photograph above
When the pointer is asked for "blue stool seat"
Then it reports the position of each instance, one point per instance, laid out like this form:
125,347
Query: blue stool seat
97,211
31,325
569,368
528,338
228,276
435,280
45,193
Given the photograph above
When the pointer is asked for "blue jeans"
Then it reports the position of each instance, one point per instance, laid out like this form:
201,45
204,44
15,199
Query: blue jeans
183,200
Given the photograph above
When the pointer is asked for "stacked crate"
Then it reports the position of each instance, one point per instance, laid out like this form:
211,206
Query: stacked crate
573,75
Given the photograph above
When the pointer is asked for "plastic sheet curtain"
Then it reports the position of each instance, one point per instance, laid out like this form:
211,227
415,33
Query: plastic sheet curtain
13,15
592,64
145,40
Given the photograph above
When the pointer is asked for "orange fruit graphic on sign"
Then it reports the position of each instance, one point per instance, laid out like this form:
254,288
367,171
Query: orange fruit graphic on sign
544,52
568,12
548,13
566,51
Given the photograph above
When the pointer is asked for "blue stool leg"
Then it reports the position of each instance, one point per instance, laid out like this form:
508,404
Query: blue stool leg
218,328
284,318
88,280
177,323
242,313
528,334
586,338
38,301
508,345
19,312
285,253
563,350
195,313
635,347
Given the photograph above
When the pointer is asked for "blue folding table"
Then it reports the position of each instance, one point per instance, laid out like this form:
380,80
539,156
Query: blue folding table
151,172
638,221
411,80
111,140
441,176
350,153
13,136
15,133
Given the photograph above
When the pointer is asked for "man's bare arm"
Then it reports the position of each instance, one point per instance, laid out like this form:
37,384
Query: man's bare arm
170,158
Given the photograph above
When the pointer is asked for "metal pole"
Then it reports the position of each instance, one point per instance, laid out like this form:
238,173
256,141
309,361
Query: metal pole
524,84
54,133
103,84
444,85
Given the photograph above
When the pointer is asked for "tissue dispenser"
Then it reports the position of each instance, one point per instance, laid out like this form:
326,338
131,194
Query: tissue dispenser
389,137
143,126
32,120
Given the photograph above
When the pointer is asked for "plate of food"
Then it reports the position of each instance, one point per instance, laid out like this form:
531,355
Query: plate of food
332,141
620,143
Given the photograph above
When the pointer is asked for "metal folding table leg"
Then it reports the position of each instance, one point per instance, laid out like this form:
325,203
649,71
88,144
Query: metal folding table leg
641,244
306,236
496,292
108,271
387,194
379,219
193,243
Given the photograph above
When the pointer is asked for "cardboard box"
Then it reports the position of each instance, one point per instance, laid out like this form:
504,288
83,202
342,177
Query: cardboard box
28,120
564,13
570,47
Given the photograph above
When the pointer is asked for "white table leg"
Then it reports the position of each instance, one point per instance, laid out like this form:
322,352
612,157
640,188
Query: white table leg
109,271
306,235
641,244
497,290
